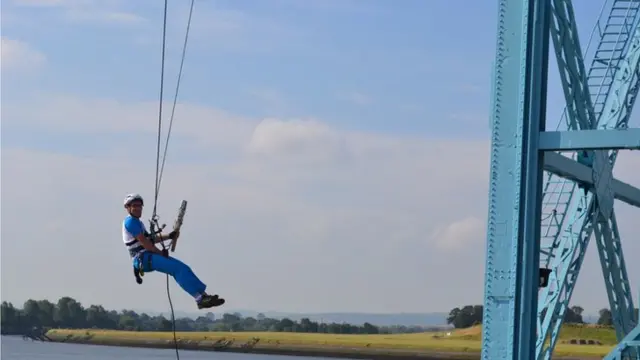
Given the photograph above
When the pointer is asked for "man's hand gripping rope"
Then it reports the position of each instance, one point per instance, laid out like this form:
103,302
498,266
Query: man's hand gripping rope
157,237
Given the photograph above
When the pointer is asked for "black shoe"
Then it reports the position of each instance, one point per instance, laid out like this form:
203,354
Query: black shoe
209,301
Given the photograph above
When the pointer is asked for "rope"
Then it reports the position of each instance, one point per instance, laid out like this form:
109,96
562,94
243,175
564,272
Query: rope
160,168
175,97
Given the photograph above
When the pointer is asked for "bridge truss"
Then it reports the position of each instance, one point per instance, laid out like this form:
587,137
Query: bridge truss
550,191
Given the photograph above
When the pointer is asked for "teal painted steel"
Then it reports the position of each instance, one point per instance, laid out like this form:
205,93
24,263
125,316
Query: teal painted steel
627,347
618,139
613,75
511,284
578,200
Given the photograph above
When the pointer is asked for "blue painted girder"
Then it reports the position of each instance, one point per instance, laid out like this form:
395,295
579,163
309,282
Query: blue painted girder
590,140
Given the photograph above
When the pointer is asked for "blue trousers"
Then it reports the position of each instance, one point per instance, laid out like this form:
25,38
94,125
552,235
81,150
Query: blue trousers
180,271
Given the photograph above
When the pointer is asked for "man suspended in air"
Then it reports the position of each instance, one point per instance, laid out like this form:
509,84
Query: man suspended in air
147,257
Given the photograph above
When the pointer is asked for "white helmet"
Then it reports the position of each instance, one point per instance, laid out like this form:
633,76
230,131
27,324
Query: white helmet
132,197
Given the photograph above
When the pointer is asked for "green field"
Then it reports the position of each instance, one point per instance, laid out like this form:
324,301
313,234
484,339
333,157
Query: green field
463,341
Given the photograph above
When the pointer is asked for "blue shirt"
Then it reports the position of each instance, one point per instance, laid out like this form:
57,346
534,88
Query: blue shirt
131,228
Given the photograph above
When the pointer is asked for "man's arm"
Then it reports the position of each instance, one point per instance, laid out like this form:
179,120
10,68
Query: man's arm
147,244
135,228
164,237
158,238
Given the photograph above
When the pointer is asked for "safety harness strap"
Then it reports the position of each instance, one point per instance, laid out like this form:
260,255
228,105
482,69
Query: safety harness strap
138,267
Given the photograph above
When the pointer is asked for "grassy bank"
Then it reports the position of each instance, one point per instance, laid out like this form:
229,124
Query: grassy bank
461,344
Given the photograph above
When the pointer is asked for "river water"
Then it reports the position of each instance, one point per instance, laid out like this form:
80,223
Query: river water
14,348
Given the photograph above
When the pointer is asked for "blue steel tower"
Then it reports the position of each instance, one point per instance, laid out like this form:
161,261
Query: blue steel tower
550,191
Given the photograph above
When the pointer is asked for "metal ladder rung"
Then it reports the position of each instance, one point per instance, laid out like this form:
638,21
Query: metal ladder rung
603,62
618,17
618,41
624,8
610,48
621,18
615,37
608,51
601,83
618,44
600,80
616,29
598,93
598,90
618,35
627,7
615,22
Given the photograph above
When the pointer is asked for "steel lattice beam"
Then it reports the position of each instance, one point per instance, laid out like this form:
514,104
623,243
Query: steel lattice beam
511,330
614,92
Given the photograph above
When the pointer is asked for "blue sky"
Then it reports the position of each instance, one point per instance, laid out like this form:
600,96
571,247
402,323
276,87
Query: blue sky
321,136
357,64
344,62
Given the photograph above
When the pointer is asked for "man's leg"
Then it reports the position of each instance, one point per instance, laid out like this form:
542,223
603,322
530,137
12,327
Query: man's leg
185,277
181,272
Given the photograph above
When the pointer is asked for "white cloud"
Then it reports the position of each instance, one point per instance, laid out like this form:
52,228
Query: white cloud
103,16
359,7
309,141
461,234
88,11
53,3
284,194
281,212
68,114
18,55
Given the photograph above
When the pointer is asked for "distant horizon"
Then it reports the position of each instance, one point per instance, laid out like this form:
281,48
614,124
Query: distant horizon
240,310
585,315
425,319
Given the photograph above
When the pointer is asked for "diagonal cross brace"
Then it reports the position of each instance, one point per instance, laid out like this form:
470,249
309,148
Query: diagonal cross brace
573,170
631,340
598,179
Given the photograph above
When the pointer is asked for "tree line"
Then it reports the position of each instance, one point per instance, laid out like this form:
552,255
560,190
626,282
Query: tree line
471,315
606,317
68,313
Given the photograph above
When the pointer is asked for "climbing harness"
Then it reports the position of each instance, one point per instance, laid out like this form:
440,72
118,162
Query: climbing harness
155,227
139,259
138,268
